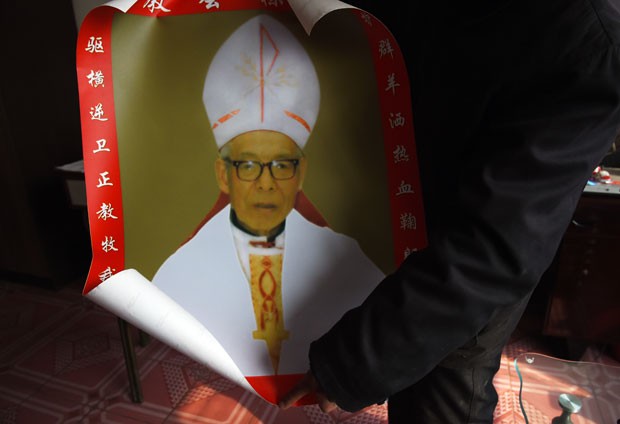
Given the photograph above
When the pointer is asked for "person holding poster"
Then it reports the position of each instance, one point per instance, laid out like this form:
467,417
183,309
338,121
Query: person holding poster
262,278
514,104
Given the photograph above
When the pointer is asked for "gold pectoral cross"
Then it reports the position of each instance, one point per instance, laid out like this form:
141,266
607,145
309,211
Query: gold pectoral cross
266,286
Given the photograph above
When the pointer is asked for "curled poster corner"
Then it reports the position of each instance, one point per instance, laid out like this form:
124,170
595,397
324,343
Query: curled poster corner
309,12
132,297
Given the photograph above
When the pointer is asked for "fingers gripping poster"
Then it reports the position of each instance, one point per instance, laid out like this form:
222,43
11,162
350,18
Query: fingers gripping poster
251,174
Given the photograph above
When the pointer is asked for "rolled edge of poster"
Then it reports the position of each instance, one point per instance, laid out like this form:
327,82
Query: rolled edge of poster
132,297
309,12
122,5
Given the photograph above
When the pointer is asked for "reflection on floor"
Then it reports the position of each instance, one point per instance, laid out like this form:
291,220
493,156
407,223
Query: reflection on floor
61,361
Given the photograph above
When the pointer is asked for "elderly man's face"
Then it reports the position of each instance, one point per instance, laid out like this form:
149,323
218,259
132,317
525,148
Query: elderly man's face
261,205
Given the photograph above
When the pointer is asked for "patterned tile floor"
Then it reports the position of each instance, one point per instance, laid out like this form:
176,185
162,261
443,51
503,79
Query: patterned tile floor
61,361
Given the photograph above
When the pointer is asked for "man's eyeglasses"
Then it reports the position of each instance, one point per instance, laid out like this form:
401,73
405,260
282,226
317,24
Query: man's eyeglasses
249,170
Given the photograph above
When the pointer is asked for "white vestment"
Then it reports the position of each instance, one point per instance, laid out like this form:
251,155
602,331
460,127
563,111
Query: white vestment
323,275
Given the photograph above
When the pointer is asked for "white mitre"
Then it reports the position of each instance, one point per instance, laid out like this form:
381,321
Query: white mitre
261,78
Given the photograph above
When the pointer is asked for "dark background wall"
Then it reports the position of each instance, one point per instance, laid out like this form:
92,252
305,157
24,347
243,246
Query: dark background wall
42,238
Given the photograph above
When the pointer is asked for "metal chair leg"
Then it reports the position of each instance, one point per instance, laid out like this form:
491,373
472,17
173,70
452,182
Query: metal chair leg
135,389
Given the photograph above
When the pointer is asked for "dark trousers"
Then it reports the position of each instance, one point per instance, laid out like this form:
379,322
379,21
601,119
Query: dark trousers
460,389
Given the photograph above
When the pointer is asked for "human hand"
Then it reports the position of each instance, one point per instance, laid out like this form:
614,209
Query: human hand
307,385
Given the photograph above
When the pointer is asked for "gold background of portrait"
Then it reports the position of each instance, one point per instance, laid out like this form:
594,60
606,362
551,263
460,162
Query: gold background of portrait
167,151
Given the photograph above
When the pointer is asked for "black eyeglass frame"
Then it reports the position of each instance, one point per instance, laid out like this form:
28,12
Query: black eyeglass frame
237,163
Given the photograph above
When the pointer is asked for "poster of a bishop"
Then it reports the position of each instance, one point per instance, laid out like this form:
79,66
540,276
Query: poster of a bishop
251,174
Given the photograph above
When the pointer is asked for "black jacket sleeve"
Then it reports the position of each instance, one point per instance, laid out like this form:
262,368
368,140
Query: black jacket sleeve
513,108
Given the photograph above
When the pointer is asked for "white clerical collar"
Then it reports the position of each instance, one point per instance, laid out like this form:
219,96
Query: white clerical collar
253,242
